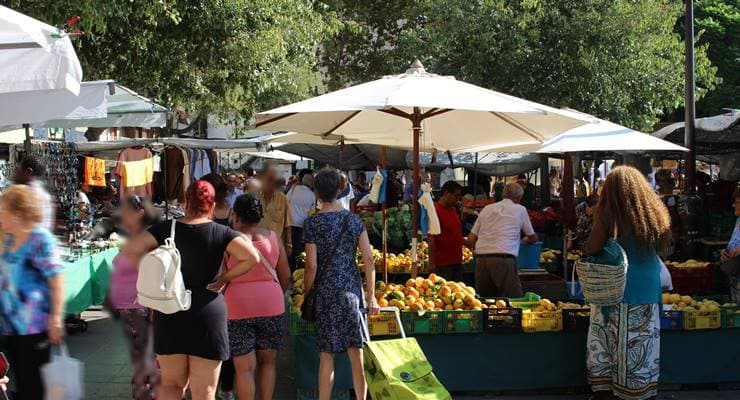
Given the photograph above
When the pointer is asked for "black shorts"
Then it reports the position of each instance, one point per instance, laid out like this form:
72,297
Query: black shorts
260,333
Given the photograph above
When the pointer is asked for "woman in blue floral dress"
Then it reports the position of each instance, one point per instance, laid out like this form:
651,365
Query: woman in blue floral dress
332,238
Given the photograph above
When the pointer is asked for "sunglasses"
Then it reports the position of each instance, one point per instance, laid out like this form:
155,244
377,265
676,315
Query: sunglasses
137,203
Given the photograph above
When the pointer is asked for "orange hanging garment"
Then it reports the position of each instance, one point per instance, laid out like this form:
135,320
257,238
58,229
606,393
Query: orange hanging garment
94,172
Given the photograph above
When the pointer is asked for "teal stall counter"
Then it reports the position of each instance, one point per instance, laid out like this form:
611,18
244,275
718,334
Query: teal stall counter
519,361
86,280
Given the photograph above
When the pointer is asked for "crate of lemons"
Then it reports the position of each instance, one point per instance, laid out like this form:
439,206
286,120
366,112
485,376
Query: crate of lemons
546,316
402,263
688,264
697,314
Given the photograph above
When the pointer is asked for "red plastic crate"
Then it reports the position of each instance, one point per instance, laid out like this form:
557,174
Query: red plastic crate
691,281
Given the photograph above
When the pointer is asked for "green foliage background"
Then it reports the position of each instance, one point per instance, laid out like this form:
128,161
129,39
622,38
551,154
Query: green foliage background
618,59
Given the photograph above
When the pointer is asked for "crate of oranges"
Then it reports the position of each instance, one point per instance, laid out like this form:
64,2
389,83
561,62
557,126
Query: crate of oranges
433,293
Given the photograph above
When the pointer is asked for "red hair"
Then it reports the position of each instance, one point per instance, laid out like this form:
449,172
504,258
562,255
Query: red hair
200,197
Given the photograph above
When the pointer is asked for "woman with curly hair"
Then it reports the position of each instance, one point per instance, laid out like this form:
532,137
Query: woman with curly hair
623,347
255,303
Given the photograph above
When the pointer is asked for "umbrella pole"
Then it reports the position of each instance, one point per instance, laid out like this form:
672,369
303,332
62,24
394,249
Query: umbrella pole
416,121
383,164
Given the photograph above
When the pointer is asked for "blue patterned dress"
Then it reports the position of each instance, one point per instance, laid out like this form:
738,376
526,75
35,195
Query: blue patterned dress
338,285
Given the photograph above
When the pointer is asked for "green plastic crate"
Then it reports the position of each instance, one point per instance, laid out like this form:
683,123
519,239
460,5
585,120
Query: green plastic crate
528,302
463,321
299,326
730,316
423,322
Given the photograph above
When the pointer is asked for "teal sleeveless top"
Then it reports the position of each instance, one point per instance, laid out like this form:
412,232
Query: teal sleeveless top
643,273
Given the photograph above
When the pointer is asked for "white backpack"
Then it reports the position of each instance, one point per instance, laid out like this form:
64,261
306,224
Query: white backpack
160,285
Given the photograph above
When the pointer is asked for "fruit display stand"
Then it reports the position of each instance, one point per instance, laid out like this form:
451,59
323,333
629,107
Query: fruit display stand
530,343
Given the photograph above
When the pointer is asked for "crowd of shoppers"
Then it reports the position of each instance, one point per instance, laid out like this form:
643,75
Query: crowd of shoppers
241,236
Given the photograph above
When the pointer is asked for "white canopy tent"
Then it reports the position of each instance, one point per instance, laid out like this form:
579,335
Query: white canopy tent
125,108
34,56
31,107
598,135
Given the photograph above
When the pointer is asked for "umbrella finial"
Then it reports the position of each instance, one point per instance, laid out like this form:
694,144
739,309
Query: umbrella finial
416,68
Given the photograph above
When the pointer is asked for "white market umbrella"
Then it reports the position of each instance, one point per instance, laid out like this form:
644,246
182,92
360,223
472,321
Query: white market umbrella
393,111
453,115
32,107
34,56
599,135
125,108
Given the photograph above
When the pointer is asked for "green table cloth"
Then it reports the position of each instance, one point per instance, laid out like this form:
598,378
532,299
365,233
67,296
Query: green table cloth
86,281
496,362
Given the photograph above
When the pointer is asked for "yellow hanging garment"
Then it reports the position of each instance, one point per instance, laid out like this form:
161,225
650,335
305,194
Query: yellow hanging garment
138,173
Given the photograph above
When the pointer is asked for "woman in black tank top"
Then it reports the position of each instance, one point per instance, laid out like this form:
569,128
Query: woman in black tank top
222,212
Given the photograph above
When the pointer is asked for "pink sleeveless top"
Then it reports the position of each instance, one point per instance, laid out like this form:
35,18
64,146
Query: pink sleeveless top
122,292
256,293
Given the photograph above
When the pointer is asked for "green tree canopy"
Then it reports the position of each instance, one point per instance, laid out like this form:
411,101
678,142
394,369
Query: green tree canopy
718,22
228,58
618,59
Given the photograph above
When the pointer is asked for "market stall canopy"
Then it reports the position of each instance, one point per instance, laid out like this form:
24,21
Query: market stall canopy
453,115
281,138
232,145
32,107
719,134
353,157
35,56
486,163
599,135
126,108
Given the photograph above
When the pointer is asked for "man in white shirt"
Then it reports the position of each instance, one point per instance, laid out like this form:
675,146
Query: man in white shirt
30,172
495,237
232,181
302,200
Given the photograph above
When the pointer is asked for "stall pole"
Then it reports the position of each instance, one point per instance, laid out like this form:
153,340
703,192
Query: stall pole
164,179
416,124
27,141
383,165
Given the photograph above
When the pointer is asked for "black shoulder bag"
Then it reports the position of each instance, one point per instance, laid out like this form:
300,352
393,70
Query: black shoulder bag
308,308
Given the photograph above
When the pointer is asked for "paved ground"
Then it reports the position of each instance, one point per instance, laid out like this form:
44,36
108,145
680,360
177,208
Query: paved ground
108,371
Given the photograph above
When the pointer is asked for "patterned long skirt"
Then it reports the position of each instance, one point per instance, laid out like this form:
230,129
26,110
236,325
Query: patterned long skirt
623,350
137,328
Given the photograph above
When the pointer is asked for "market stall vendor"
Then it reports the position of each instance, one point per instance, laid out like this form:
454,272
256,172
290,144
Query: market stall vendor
445,249
585,221
496,237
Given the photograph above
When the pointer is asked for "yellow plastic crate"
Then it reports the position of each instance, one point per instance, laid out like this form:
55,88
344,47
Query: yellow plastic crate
383,324
545,321
692,320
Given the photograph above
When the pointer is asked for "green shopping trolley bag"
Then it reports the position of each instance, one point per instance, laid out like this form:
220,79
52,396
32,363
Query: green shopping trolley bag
397,369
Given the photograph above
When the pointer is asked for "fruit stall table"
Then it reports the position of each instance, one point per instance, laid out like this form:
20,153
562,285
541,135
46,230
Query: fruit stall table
522,361
86,280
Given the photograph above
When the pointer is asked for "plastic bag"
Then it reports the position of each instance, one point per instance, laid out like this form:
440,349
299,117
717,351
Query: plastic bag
63,376
666,282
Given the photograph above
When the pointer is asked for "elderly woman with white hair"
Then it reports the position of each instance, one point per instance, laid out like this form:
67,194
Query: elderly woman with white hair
495,237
